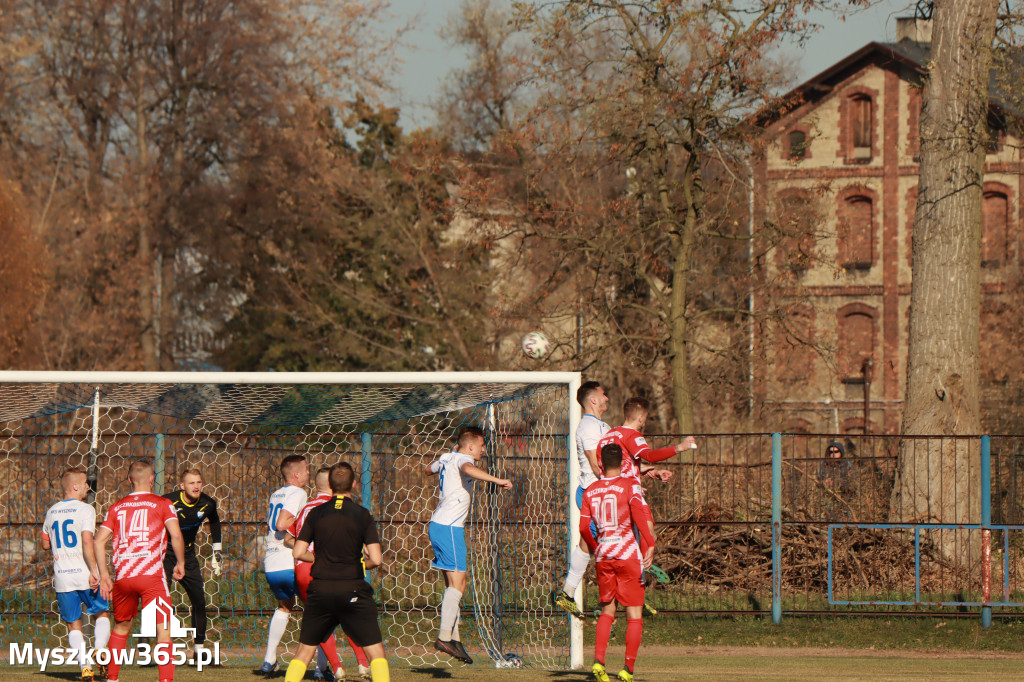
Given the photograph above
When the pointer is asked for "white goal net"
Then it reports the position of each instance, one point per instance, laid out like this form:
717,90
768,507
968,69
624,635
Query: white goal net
237,427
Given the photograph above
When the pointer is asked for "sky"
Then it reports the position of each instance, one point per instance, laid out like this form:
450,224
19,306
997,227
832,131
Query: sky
426,59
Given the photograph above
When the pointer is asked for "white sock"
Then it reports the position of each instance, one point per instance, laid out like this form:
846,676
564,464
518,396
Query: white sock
101,630
278,625
76,641
455,629
449,613
321,659
578,562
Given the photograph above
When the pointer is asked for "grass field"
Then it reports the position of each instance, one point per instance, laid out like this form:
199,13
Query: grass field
666,663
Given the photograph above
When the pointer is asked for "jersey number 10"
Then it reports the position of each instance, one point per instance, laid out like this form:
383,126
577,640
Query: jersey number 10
137,529
608,513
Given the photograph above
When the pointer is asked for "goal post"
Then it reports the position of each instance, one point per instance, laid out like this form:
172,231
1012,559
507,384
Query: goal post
236,427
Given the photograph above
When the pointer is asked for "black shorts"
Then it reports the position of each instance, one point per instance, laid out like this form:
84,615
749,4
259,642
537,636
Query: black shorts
348,603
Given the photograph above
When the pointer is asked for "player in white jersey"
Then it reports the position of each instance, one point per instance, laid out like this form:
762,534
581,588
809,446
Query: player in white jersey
588,434
68,529
285,504
456,471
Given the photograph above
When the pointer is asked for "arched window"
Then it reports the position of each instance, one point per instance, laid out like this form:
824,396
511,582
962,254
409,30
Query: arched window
797,218
797,145
856,341
861,125
856,232
994,230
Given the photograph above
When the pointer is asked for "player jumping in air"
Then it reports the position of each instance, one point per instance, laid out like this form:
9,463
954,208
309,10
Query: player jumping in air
456,471
615,507
327,653
346,545
139,524
285,504
588,434
192,507
68,530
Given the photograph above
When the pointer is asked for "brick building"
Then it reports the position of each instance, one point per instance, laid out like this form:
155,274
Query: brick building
844,160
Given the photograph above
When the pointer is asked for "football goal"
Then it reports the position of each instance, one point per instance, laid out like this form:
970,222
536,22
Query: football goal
236,428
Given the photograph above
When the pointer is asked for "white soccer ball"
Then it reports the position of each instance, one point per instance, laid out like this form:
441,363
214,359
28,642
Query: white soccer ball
536,345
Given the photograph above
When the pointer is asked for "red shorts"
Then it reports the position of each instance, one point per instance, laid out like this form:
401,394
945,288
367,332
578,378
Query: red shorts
303,578
620,580
129,592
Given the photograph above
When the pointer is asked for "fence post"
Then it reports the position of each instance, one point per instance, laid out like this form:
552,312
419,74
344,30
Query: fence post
366,469
159,465
986,532
776,528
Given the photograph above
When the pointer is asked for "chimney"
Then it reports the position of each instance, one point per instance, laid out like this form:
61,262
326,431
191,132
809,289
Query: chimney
913,28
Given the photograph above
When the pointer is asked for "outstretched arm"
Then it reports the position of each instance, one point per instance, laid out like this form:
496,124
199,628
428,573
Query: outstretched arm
481,475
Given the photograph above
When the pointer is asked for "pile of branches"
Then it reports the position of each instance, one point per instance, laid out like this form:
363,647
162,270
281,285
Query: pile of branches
710,546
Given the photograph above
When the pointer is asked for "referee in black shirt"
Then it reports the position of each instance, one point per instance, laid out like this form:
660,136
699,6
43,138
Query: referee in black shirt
339,593
193,506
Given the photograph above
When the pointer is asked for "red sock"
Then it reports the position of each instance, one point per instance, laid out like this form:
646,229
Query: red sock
360,654
634,633
330,648
165,671
115,645
604,632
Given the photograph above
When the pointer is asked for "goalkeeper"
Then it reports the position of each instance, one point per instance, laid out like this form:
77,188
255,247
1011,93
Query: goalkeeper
193,506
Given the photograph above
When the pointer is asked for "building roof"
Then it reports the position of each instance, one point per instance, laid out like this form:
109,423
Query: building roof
906,52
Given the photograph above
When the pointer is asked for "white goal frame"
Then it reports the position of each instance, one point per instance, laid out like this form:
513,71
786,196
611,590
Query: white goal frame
572,380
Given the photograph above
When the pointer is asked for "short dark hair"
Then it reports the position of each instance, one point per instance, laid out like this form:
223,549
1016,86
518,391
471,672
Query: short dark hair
584,391
611,457
341,477
634,407
469,433
288,464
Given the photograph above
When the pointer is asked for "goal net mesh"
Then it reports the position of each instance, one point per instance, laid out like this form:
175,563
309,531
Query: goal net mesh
237,435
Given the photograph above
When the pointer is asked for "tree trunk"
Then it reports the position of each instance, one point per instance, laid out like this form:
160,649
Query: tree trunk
147,321
936,479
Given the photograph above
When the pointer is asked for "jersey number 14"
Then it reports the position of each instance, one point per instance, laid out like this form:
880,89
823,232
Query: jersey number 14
137,529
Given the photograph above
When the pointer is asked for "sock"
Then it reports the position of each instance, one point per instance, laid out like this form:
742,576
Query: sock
379,670
455,629
634,633
76,641
115,645
330,650
360,654
578,562
165,671
278,624
101,630
321,658
296,671
449,613
601,636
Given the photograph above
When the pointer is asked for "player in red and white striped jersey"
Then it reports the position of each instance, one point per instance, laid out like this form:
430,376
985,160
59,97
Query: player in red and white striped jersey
137,524
329,648
615,507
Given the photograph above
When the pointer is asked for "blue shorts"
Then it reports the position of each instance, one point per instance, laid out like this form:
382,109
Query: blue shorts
70,604
579,505
282,583
449,545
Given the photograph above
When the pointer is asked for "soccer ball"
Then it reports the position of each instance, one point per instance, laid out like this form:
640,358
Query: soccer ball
536,345
511,661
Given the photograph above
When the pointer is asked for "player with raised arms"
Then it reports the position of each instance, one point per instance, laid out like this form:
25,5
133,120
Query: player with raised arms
193,507
139,524
614,506
303,576
68,530
347,544
456,472
589,433
285,504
